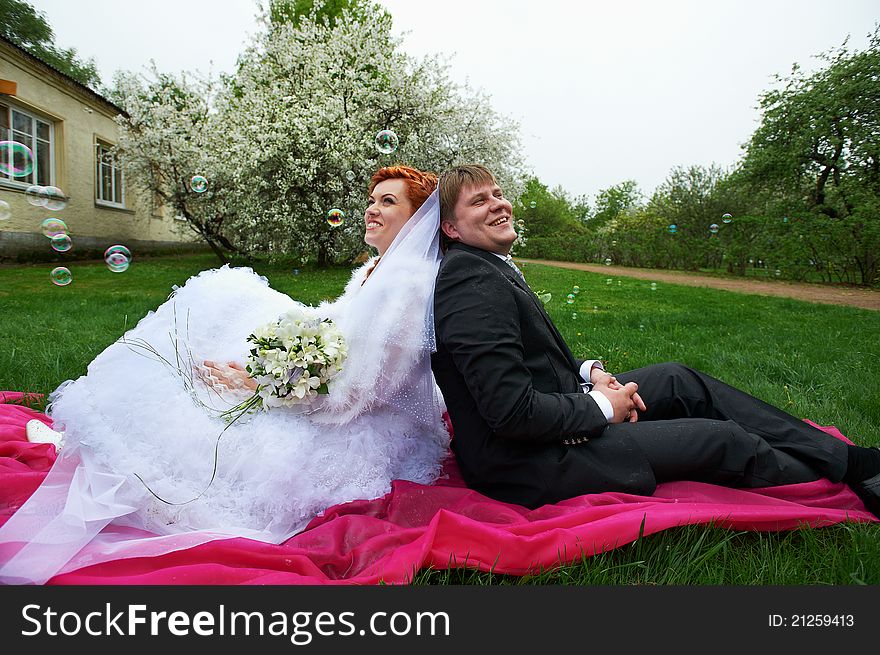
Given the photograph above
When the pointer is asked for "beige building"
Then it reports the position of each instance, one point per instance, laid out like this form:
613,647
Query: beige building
71,132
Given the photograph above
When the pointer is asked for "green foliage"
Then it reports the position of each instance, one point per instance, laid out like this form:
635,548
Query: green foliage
28,29
615,201
631,232
291,12
815,158
554,227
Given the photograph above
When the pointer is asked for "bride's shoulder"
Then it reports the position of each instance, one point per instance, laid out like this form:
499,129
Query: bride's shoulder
403,271
359,273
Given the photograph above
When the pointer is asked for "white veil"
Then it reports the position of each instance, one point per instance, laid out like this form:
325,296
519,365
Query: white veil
388,324
81,514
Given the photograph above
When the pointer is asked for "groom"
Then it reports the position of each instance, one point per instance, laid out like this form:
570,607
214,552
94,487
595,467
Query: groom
534,425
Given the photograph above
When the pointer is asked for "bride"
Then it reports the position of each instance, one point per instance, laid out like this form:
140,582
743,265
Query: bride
143,456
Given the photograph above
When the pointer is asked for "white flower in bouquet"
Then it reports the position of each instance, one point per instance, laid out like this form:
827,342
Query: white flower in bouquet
292,360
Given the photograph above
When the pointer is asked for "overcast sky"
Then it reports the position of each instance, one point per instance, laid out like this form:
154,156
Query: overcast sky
603,91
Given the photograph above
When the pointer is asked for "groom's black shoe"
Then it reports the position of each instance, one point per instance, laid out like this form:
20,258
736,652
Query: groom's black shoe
869,491
863,475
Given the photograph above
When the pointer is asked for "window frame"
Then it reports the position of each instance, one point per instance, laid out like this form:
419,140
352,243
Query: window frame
17,182
115,167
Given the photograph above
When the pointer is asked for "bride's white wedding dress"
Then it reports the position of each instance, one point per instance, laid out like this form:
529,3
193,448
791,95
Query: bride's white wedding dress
275,471
134,433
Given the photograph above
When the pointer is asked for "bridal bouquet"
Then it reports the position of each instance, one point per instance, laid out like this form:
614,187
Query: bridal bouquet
292,360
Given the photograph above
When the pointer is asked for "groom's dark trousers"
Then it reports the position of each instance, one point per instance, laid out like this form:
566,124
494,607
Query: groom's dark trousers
513,391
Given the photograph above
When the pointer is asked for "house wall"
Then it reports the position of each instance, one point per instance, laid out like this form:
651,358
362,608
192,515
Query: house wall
80,119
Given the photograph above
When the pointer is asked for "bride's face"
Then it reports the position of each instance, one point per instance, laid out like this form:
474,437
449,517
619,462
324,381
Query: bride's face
388,209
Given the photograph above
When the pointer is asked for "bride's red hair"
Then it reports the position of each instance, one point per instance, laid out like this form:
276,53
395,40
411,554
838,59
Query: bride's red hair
419,184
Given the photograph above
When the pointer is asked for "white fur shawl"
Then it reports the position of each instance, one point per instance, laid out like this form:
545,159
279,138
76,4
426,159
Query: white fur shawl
384,324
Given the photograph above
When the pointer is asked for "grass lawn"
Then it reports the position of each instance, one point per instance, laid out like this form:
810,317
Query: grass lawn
820,362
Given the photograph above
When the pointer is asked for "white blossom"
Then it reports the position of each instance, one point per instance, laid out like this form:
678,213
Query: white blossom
295,370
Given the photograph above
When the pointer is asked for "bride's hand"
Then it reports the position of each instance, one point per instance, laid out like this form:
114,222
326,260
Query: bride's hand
231,375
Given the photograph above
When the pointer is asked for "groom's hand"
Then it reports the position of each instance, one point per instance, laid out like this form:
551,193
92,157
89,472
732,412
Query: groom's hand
597,374
624,399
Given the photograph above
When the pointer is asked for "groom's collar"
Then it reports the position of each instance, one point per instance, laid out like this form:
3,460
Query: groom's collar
458,245
495,258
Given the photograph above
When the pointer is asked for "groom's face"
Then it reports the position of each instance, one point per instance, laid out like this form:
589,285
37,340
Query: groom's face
483,219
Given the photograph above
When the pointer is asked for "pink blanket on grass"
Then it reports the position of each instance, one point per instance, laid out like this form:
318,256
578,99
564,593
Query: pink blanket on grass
416,526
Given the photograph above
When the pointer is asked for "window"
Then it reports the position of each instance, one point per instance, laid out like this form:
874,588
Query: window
36,134
109,180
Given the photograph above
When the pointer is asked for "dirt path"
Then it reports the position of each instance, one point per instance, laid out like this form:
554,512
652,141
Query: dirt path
831,295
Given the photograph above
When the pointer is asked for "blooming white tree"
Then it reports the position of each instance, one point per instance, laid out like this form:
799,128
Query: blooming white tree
291,135
166,138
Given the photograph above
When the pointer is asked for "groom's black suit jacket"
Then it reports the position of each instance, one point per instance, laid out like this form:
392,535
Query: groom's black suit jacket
512,389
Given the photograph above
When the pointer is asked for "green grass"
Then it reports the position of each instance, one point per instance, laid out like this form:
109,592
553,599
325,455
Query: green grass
820,362
845,554
51,333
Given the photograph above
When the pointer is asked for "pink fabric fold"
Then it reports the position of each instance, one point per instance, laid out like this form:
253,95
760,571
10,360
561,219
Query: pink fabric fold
415,526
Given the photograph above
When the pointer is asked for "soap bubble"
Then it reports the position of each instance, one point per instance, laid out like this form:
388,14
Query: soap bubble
569,298
533,204
5,211
727,218
117,258
52,227
672,228
36,195
54,198
349,175
653,286
198,183
576,290
387,141
117,249
16,159
713,228
335,217
61,276
61,243
117,263
608,261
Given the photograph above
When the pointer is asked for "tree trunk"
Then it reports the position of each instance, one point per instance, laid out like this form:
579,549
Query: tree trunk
217,251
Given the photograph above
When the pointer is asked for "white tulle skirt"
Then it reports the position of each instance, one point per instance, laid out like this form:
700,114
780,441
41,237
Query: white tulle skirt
137,432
